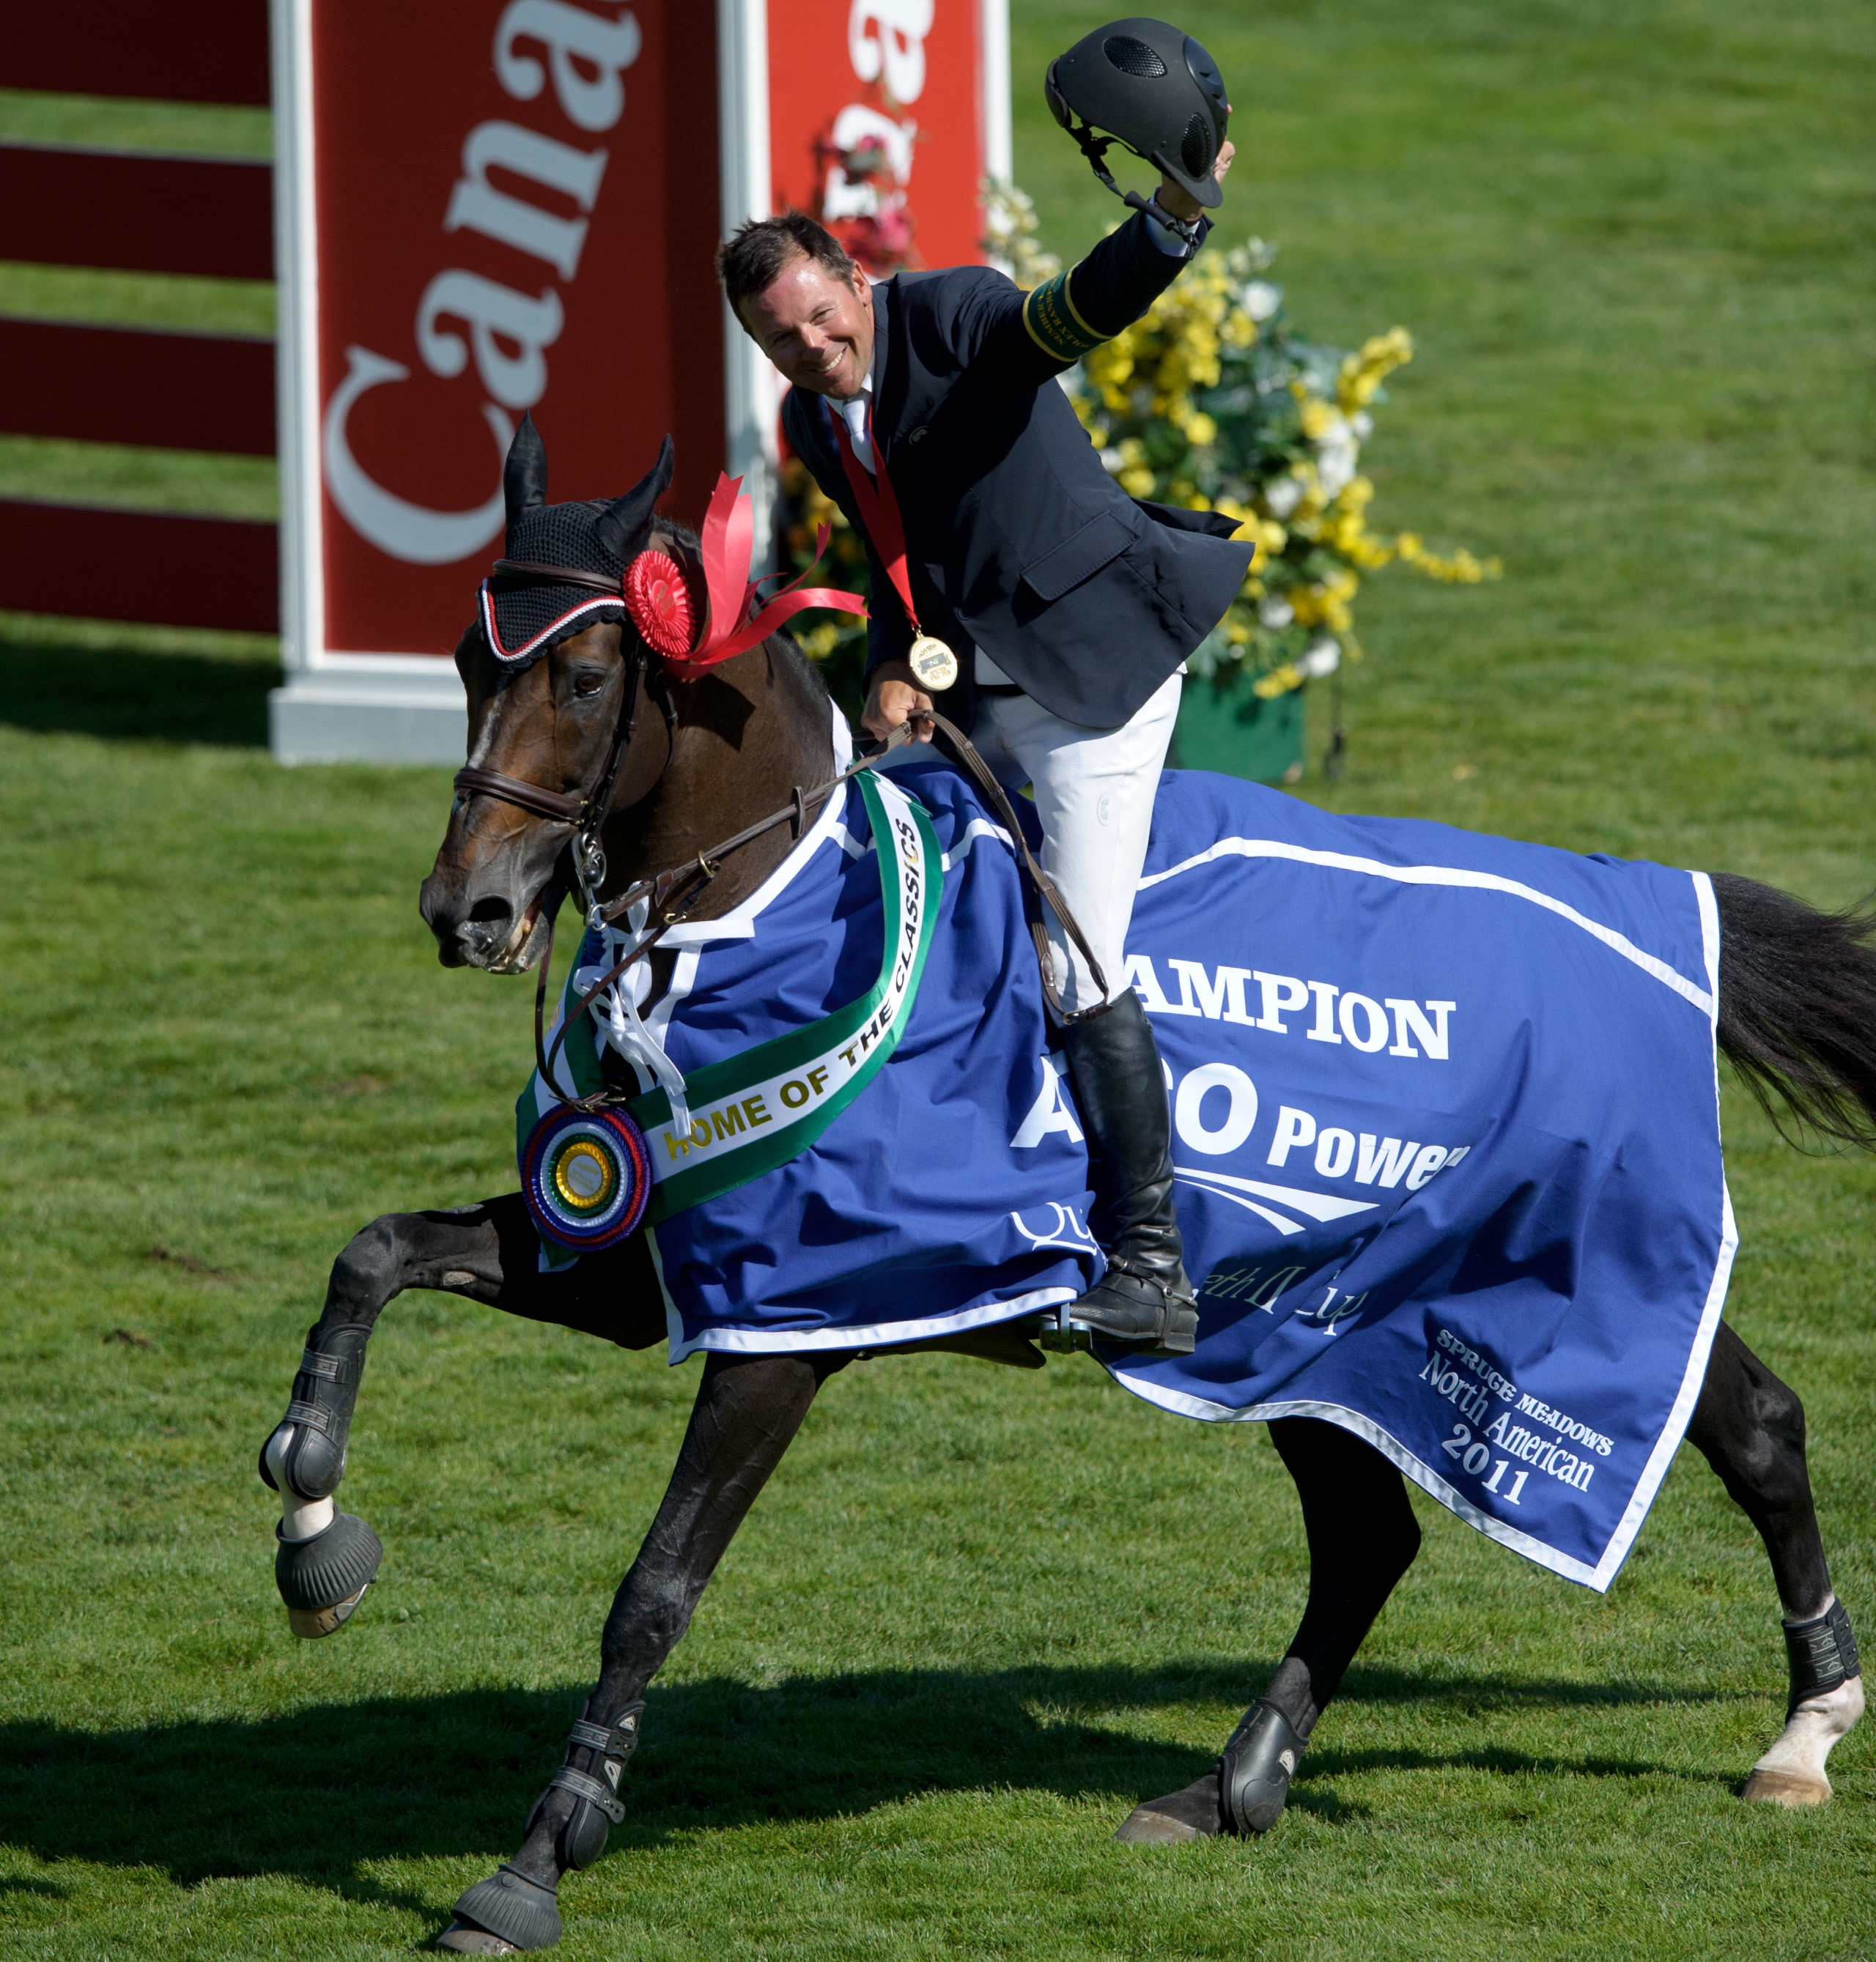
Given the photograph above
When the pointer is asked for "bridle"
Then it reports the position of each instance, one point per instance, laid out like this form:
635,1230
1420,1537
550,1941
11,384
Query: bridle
669,895
586,813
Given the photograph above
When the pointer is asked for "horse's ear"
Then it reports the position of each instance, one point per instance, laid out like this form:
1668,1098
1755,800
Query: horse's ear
621,522
524,475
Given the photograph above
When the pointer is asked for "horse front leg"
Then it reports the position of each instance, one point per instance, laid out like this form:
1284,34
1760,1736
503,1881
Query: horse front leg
747,1411
1362,1538
1750,1427
326,1558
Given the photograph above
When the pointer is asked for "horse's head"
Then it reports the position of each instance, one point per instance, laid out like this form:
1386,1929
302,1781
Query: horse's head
555,672
574,722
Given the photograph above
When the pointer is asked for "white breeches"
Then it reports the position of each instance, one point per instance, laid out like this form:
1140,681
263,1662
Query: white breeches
1094,790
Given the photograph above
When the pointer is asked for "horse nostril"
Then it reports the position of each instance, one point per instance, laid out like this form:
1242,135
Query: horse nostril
491,910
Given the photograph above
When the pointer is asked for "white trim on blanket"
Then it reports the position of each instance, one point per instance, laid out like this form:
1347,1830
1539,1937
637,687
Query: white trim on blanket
1673,1429
1599,1577
1702,999
879,1335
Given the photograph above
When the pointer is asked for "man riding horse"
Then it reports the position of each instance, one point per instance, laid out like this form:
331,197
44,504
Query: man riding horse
926,408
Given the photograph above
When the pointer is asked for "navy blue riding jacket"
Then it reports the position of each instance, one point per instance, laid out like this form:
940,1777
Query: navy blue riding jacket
1017,540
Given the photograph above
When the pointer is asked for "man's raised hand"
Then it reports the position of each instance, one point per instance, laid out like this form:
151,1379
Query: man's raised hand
1179,202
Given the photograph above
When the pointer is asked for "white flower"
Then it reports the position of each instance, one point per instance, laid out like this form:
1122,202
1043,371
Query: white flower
1112,462
1322,657
1282,494
1363,423
1276,613
1261,299
1336,465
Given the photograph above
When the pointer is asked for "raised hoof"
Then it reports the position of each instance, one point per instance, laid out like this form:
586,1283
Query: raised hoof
1789,1789
310,1624
1143,1826
1190,1814
321,1579
506,1907
464,1937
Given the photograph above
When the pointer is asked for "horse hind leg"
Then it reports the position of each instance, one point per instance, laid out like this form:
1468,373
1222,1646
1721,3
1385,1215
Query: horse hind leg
1362,1538
1750,1427
326,1559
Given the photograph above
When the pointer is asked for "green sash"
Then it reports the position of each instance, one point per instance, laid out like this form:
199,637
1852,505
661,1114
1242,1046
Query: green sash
757,1109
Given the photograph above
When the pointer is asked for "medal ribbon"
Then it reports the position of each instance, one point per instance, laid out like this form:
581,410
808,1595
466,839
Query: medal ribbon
754,1110
879,507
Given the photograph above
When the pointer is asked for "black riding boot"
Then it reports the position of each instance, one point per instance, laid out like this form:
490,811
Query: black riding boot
1145,1297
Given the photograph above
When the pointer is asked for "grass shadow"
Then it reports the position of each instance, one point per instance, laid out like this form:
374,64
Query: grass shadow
94,683
318,1793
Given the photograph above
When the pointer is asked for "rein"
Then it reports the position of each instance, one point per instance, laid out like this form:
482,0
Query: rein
660,890
662,893
1038,887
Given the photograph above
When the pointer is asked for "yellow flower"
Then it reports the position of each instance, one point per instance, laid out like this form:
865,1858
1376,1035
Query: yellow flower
1318,417
1201,431
1137,482
1362,374
1324,602
1461,569
1278,681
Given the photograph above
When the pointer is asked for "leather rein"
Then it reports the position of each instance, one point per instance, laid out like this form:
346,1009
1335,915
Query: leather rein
671,894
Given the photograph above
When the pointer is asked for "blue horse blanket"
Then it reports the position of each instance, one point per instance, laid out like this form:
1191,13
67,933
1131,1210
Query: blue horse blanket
1445,1130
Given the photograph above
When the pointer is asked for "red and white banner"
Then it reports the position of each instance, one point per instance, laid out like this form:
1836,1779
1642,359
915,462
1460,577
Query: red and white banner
512,210
490,207
877,125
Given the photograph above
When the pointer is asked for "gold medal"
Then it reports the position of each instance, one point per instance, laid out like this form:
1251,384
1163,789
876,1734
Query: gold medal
934,664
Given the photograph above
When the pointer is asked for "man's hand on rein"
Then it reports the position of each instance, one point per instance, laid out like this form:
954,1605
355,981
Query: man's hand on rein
895,697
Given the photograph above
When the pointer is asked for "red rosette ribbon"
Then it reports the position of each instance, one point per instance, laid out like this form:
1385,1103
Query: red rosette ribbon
659,599
659,602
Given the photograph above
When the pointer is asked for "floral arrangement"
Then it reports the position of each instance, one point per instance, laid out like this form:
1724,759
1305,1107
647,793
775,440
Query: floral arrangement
1212,401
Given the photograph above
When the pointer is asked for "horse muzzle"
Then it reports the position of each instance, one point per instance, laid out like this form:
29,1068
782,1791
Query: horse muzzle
487,933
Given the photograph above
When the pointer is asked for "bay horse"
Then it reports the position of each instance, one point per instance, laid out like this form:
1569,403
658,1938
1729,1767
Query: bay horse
709,756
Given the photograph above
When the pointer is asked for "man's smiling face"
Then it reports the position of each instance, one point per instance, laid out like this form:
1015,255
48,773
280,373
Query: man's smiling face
816,328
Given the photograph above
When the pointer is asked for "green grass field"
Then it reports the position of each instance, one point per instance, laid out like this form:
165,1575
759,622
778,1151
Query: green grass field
976,1616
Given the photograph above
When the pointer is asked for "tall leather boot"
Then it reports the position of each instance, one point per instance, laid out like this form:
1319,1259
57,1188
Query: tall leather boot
1145,1298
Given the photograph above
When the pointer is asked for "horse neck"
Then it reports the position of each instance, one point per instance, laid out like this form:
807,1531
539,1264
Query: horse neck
748,733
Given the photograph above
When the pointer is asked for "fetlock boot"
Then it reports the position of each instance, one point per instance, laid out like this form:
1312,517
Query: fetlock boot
323,1559
1143,1299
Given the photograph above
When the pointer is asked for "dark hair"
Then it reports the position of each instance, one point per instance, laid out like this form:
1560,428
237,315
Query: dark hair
753,259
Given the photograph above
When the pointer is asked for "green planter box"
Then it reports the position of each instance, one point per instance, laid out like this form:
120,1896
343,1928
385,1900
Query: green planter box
1238,734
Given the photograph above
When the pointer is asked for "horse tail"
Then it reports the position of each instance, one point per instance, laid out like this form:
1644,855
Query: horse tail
1798,1008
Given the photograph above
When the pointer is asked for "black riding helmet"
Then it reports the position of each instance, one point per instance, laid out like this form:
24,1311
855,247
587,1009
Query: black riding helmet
1155,90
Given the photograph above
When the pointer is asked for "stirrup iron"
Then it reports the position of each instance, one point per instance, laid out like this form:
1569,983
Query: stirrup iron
1057,1330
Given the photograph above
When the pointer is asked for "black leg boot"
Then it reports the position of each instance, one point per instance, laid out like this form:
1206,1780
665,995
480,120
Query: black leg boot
1145,1297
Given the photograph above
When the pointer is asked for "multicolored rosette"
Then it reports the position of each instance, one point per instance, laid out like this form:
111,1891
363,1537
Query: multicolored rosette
587,1177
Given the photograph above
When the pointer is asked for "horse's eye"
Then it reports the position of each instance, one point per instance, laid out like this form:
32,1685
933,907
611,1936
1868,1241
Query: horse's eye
586,682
